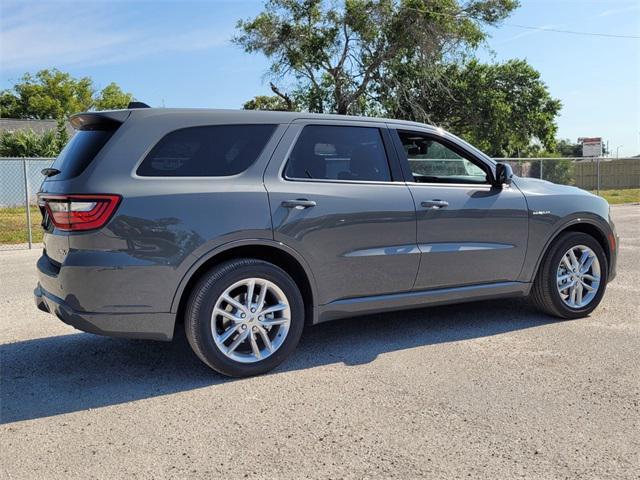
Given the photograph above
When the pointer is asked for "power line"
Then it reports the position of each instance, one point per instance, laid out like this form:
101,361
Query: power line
528,27
572,32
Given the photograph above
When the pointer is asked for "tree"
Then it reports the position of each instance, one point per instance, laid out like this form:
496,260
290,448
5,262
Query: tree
504,109
27,143
337,57
49,94
556,171
566,148
112,97
62,135
266,102
52,94
406,59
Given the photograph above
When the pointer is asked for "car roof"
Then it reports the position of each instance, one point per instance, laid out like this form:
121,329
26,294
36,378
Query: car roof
252,116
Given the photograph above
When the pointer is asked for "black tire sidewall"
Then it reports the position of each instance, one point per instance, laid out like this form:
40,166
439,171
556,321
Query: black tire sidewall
560,248
209,290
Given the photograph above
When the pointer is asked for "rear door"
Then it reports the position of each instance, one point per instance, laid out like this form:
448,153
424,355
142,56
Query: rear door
469,232
337,197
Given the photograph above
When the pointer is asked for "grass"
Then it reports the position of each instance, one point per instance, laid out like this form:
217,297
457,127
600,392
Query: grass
13,220
13,225
627,195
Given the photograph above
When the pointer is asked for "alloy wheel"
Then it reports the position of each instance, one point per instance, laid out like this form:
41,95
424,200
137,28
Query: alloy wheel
250,320
578,276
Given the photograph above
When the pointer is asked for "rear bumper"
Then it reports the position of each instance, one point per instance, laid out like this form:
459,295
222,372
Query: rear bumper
152,326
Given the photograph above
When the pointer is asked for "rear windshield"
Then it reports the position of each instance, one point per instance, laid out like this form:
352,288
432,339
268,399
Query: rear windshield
211,151
79,152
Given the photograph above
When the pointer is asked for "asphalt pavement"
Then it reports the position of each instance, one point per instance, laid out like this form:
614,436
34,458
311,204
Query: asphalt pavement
490,390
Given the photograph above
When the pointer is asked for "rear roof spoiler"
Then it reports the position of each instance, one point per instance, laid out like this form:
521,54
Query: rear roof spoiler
107,120
137,105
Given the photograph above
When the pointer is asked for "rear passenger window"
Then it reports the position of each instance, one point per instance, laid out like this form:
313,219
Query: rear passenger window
339,153
214,151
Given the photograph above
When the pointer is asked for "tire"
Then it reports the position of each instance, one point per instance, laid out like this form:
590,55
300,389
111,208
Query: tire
254,355
545,293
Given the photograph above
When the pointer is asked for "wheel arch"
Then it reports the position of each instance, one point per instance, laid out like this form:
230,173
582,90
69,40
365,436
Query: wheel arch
273,252
588,226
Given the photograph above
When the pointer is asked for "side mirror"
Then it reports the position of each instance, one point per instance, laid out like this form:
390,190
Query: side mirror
503,174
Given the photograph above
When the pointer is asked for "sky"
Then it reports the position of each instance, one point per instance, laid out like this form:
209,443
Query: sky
179,54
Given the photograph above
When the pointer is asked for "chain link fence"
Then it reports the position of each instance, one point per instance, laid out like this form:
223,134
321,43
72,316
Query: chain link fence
587,173
20,180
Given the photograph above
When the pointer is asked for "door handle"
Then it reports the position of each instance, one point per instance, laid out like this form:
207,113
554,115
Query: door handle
300,203
435,204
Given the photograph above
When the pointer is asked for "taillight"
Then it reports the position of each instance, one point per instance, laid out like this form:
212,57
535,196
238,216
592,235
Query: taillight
79,212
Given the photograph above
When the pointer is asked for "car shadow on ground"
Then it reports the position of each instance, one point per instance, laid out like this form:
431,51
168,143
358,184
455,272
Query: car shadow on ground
69,373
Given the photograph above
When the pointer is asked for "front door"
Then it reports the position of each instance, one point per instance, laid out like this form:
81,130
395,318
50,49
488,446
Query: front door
469,232
337,200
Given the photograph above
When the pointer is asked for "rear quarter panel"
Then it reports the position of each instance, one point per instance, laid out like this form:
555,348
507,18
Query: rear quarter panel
162,226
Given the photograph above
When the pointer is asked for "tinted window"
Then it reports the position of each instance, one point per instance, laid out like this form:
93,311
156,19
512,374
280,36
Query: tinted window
433,162
79,152
214,151
339,153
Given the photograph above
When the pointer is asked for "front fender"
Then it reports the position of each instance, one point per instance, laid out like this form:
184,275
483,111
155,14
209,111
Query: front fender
544,236
555,208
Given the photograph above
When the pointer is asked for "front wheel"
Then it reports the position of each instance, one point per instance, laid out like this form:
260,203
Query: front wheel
244,317
572,277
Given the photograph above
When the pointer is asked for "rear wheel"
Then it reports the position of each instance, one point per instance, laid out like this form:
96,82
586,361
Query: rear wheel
572,277
244,317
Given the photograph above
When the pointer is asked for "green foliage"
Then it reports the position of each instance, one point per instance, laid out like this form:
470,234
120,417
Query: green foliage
556,171
62,135
49,94
404,59
566,148
504,109
112,97
266,102
338,57
562,148
27,143
52,94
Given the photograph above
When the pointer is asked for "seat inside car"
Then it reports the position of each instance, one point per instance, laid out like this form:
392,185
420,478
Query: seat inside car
366,164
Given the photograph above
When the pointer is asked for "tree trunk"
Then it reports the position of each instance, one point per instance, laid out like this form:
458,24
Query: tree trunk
342,107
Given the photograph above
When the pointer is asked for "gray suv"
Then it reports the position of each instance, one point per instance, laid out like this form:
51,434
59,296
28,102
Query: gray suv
245,226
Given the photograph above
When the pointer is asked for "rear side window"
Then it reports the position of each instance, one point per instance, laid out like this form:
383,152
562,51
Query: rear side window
212,151
79,152
327,152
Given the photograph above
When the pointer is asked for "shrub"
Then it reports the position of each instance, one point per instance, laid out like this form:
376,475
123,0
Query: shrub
27,143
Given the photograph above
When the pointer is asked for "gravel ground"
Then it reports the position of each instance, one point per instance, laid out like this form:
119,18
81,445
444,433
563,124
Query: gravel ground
485,390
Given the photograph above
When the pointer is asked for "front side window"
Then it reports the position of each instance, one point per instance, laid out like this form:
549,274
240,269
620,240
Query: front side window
211,151
431,161
326,152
